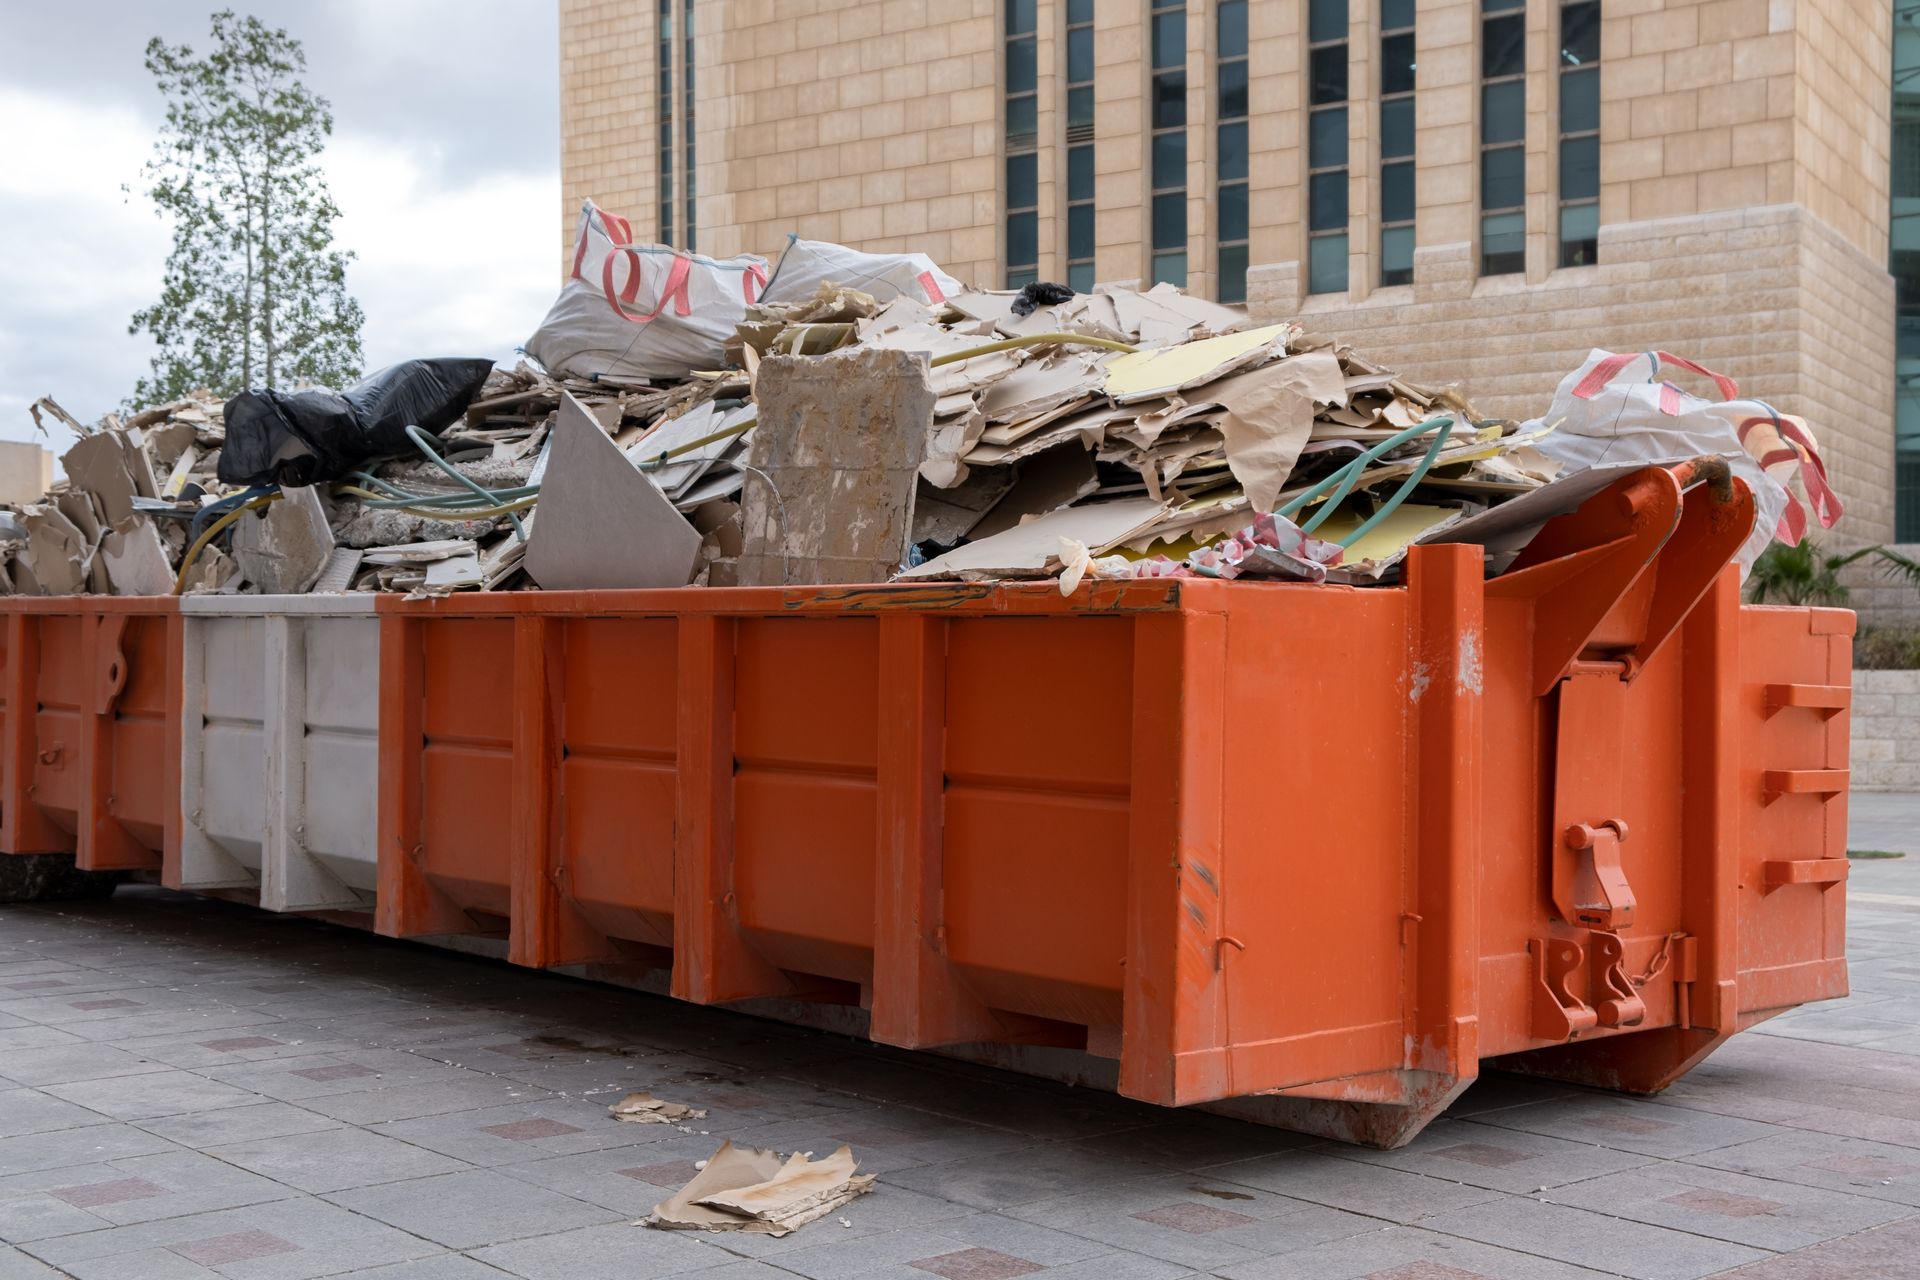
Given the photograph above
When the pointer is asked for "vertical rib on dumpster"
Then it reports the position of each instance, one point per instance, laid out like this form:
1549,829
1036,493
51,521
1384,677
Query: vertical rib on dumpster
917,1000
1173,1042
711,962
407,906
546,928
1449,625
23,827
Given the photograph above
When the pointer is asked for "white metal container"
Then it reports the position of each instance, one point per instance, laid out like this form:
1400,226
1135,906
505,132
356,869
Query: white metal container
279,752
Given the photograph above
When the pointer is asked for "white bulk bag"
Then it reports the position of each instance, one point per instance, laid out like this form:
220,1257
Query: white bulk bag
807,263
1616,410
642,310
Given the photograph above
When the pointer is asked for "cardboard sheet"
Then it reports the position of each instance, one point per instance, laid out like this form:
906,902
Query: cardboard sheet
1027,549
1047,481
1269,416
601,523
748,1189
1146,374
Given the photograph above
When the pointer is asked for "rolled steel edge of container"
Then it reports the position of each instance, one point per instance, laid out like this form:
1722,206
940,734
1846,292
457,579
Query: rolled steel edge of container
1288,850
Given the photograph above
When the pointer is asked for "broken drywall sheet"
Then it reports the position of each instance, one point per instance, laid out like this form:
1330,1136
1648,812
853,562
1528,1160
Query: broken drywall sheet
283,549
135,559
752,1190
602,524
839,446
98,464
1047,481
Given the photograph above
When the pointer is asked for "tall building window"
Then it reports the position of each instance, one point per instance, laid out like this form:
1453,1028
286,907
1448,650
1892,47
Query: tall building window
1327,146
686,99
1580,133
1080,145
1167,40
665,76
1230,162
1022,146
1503,137
1396,141
1904,262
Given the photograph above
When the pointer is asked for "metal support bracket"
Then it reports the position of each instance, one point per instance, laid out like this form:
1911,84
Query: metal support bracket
1602,898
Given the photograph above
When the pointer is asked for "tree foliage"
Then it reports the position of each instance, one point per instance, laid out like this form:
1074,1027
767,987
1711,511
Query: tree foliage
254,292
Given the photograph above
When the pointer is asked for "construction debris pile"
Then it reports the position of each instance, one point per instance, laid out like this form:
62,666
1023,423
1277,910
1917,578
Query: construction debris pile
866,419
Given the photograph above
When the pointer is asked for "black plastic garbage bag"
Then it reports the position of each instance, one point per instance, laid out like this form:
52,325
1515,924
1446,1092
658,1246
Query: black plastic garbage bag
305,437
1041,293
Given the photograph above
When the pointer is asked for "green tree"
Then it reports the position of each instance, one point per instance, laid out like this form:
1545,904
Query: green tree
254,293
1804,574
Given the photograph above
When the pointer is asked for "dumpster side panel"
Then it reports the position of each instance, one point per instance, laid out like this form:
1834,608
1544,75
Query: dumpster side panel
805,752
617,774
1794,705
224,714
334,750
466,761
1036,804
1317,796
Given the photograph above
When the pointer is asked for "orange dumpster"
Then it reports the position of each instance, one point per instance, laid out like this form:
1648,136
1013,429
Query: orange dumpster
90,729
1312,852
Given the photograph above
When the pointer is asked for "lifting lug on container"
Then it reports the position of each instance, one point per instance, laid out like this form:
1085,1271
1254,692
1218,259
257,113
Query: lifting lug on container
1602,898
1619,1004
1558,1014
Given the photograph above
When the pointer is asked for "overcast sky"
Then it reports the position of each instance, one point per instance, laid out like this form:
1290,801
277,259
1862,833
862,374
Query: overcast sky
444,161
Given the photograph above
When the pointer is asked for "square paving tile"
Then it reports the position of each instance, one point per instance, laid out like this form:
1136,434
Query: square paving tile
25,1111
977,1264
67,1063
550,1126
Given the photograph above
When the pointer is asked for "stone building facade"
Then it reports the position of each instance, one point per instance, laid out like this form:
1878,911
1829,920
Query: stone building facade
1476,190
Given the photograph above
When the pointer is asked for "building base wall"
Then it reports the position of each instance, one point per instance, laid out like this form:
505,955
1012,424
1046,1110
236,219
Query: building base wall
1770,296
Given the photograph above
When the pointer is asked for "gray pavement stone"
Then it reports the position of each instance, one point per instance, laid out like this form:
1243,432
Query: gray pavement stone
472,1209
1626,1124
1391,1194
323,1240
1406,1253
152,1095
617,1251
368,1078
1762,1212
336,1159
1499,1159
15,1265
238,1124
1575,1235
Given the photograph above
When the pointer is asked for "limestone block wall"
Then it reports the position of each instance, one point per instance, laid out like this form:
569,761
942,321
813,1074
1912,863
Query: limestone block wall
1886,731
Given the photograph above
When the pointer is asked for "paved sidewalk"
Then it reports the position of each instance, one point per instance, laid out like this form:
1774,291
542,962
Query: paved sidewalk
189,1088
